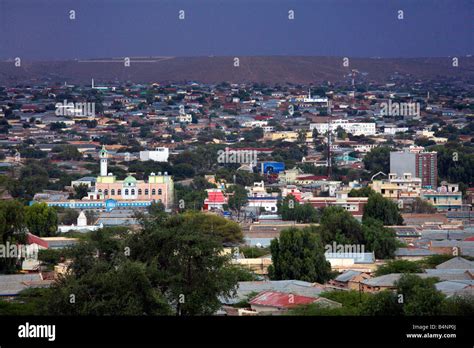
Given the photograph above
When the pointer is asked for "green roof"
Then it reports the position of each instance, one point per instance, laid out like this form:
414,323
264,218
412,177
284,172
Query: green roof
103,151
130,179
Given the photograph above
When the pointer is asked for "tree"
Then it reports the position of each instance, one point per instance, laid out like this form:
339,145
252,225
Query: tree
67,152
338,225
398,266
420,296
185,260
378,160
66,216
362,192
291,210
226,231
80,191
379,239
382,303
298,254
459,305
41,220
301,139
382,209
123,289
33,178
237,197
420,206
11,231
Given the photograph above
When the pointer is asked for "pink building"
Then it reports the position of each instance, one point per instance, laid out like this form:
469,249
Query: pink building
159,188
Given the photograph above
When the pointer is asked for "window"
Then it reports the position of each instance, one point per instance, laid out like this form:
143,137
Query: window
100,191
146,192
119,191
106,192
132,192
153,192
126,192
139,191
112,192
160,192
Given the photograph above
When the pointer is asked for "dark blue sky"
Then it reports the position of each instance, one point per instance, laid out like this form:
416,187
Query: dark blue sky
41,29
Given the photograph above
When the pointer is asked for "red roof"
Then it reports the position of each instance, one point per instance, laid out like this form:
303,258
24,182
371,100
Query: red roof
29,107
262,117
312,177
32,239
280,299
215,197
469,239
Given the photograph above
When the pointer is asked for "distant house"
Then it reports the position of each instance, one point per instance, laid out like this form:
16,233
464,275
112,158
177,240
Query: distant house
87,180
350,280
12,284
215,200
385,282
51,242
295,287
456,287
412,254
272,302
355,260
456,263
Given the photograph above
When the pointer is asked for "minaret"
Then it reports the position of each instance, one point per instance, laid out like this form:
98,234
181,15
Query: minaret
103,154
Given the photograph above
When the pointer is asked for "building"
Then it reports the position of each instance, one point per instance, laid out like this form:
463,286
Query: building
81,226
158,188
355,128
12,284
160,154
215,200
421,165
427,168
398,187
349,280
273,302
272,167
354,205
446,197
402,162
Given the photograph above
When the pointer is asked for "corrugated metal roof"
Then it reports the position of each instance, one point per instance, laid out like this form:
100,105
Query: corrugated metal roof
280,300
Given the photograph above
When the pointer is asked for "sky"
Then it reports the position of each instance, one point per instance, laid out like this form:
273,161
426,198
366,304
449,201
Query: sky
42,29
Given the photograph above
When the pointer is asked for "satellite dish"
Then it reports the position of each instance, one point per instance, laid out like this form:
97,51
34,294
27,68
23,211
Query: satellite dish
258,245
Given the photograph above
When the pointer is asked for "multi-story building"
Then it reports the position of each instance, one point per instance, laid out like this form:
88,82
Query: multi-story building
355,128
398,187
427,168
447,197
160,154
421,165
157,188
354,205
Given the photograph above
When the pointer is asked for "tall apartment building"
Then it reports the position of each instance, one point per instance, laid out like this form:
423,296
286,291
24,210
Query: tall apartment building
427,168
421,165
